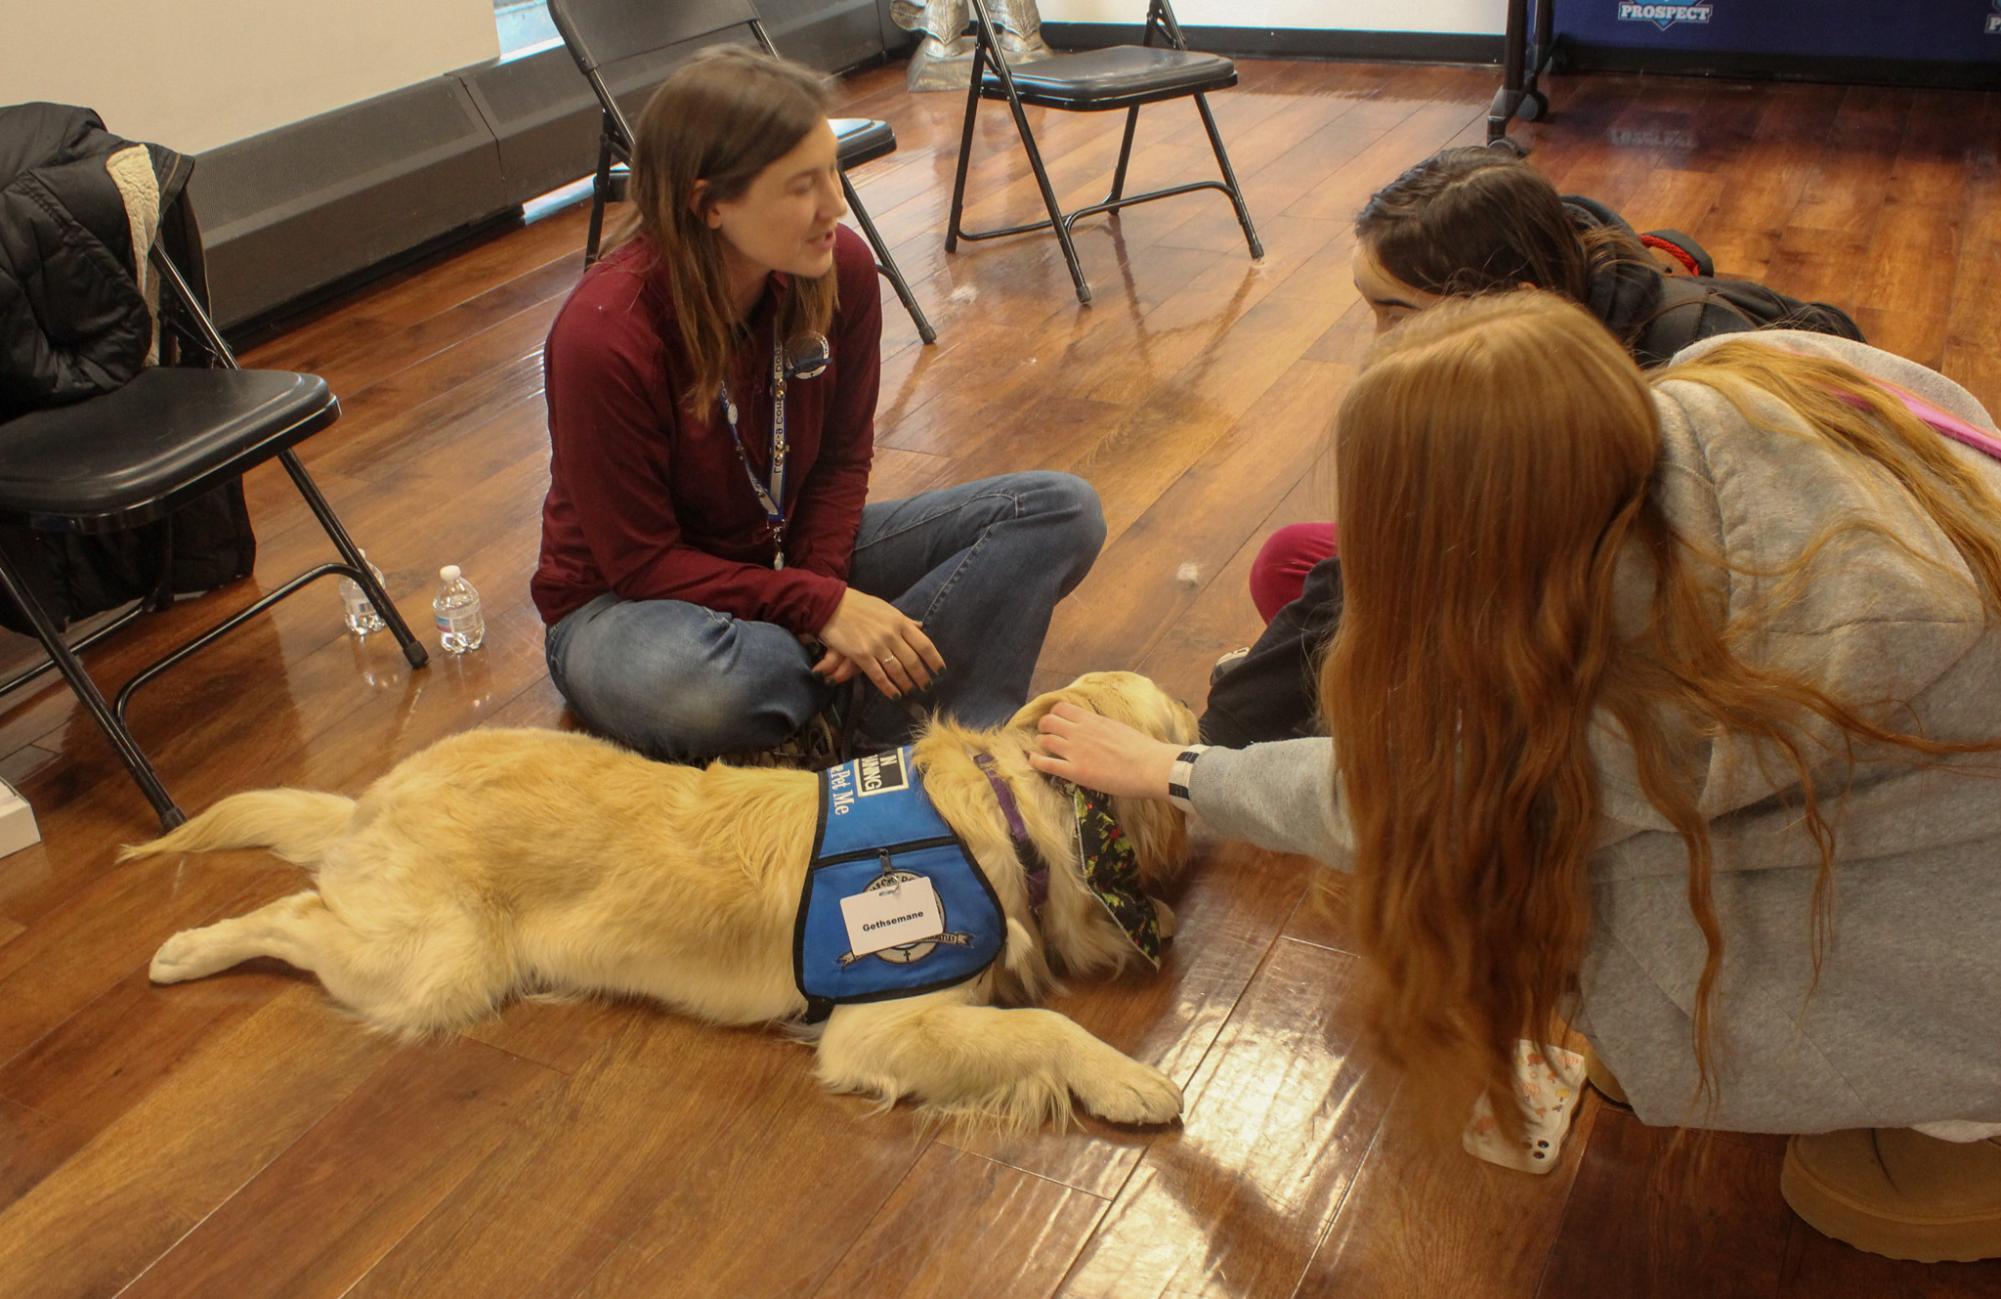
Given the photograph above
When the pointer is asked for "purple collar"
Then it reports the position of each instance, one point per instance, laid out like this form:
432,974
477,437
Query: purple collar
1032,865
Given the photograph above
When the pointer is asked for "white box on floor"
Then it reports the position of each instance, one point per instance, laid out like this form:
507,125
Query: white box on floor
17,821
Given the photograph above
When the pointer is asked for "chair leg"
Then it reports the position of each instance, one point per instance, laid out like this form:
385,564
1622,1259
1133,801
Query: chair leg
600,192
1514,56
86,690
1049,200
965,150
887,264
413,649
1230,177
1125,156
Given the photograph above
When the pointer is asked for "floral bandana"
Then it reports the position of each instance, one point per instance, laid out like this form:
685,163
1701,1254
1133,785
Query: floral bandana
1110,871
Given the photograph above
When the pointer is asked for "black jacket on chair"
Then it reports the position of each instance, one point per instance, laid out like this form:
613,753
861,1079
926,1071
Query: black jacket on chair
74,322
72,319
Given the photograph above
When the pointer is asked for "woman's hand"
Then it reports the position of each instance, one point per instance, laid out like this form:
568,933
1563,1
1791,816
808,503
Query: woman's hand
1098,753
835,669
879,640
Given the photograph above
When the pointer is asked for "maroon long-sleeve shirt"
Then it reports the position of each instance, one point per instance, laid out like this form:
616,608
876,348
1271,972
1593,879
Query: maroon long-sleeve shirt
647,499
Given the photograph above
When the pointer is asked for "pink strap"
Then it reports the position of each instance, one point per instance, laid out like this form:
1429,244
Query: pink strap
1947,423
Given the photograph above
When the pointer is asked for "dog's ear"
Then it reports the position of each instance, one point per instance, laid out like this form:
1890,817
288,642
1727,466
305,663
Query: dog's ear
1124,697
1095,692
1030,714
1112,694
1157,713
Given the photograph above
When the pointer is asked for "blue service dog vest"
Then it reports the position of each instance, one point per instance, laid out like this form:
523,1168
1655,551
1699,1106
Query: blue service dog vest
887,867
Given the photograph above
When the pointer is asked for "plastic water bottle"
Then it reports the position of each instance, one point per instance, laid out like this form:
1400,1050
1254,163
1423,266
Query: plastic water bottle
360,614
456,611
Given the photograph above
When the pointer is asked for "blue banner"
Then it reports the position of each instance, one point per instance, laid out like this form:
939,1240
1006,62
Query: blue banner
1942,31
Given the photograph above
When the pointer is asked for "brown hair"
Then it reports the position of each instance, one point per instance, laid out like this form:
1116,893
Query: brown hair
1495,460
723,118
1472,220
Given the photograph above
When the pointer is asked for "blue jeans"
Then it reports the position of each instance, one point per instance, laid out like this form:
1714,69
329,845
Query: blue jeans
981,566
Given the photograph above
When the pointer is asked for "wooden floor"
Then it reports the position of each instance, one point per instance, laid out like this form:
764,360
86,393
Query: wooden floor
237,1137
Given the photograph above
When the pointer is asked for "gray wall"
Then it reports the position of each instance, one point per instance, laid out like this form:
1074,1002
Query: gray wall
309,208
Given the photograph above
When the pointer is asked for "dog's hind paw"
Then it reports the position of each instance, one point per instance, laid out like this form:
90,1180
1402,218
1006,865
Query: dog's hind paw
178,959
1132,1093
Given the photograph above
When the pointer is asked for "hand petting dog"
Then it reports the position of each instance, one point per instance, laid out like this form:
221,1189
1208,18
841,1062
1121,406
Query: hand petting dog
1092,750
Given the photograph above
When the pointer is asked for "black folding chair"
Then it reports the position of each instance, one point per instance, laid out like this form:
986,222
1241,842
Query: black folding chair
133,456
1096,81
1526,50
626,48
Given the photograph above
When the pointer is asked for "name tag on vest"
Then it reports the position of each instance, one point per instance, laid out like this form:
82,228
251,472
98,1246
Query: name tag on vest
881,918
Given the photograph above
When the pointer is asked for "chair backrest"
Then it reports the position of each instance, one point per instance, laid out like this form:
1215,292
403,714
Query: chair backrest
980,22
626,48
600,32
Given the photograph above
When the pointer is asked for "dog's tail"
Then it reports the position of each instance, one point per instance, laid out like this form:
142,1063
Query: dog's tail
296,824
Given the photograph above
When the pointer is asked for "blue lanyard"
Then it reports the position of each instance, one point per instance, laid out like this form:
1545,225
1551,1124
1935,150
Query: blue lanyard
771,495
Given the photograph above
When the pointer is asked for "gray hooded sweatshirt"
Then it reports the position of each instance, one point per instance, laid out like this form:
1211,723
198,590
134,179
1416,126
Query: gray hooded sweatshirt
1904,1025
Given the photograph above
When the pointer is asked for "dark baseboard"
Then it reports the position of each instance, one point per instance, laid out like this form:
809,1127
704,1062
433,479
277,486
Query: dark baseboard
1294,42
292,209
285,315
297,215
314,208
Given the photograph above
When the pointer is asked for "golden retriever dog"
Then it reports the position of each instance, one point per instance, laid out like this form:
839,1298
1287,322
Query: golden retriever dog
503,863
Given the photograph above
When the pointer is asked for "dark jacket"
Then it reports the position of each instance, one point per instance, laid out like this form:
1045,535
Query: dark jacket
1656,315
1270,695
74,323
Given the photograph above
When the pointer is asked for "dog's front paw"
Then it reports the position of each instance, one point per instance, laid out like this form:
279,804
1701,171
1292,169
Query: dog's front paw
1129,1092
177,958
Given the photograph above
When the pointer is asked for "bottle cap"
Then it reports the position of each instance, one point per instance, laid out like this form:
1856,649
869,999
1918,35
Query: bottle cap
450,572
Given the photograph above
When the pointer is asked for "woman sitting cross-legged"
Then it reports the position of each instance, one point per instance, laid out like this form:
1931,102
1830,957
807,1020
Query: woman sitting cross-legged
1668,705
709,570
